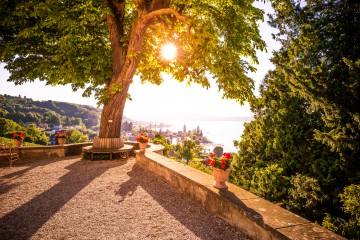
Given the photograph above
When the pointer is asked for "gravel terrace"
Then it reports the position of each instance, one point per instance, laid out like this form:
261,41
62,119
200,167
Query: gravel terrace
69,198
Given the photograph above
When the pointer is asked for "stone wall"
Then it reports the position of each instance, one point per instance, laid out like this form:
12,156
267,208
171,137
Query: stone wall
256,217
52,151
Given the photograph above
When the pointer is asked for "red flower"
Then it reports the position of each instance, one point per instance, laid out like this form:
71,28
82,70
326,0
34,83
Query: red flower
142,137
227,155
223,162
61,135
18,135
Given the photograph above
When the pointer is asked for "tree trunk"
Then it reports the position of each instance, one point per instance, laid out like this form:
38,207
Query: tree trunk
124,64
123,72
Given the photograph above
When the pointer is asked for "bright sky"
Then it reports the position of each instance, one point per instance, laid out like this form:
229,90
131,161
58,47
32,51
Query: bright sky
169,101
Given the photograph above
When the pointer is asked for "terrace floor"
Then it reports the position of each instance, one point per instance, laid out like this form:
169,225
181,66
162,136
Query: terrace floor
69,198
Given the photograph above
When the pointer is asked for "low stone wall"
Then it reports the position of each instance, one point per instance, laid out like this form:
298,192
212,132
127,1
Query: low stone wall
52,151
256,217
73,149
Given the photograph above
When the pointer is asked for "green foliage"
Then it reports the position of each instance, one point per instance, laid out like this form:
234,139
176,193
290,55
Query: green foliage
307,115
351,227
200,166
8,126
351,200
75,136
9,140
160,139
270,183
187,150
306,196
68,42
327,74
34,135
51,112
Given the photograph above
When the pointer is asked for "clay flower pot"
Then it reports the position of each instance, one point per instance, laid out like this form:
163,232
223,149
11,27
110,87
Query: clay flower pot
220,177
142,146
61,141
18,142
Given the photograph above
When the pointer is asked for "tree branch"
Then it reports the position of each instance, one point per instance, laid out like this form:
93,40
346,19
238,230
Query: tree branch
165,11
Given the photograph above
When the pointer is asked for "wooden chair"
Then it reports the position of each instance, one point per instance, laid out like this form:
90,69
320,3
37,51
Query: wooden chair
7,151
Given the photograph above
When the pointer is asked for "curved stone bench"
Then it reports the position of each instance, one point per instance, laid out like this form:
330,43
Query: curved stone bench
124,152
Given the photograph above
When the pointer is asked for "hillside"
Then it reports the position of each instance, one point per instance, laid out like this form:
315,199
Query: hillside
22,109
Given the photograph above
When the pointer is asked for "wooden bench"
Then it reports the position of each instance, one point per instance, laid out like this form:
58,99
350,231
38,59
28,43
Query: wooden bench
124,152
8,152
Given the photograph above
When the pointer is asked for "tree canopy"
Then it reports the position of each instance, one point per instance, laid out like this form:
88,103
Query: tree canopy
100,45
68,42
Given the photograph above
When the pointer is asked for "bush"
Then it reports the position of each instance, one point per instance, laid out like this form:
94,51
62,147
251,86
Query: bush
270,183
349,228
306,196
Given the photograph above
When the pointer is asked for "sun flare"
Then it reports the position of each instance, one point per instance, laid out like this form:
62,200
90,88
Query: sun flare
168,51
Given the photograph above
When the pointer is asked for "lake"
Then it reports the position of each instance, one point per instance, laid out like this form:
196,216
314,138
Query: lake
219,132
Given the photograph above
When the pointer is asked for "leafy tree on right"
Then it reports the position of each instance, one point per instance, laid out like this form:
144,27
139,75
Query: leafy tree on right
304,144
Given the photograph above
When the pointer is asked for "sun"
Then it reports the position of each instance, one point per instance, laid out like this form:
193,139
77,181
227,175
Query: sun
168,51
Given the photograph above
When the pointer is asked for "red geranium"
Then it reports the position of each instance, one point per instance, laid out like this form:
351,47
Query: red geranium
143,138
18,135
61,135
222,162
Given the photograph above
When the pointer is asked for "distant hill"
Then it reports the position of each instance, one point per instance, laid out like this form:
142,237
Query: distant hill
22,109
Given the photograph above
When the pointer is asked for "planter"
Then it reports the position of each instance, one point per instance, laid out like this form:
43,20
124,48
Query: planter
61,141
18,142
142,146
220,177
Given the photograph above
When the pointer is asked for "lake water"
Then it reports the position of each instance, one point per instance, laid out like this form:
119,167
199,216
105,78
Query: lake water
219,132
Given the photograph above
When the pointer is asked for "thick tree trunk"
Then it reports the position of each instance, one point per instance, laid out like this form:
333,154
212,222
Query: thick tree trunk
110,124
124,64
111,116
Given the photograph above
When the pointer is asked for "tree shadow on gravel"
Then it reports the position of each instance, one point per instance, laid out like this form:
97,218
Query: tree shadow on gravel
24,221
19,169
190,213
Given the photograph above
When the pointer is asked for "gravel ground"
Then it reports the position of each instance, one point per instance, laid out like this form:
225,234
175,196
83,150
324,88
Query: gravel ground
69,198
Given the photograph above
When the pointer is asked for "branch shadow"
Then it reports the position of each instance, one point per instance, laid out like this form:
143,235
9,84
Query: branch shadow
189,213
5,186
230,196
24,221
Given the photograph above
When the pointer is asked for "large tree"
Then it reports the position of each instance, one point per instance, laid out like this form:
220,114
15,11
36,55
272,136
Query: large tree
100,46
306,133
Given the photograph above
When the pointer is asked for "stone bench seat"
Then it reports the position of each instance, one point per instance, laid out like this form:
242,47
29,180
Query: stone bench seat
124,152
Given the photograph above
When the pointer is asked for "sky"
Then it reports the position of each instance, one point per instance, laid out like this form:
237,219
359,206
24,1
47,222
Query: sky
171,100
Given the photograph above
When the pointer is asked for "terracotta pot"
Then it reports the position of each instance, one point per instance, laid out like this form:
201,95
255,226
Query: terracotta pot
220,177
18,142
142,146
61,141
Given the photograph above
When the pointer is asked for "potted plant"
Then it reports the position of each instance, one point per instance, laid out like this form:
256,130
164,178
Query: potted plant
221,168
61,137
18,138
142,139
